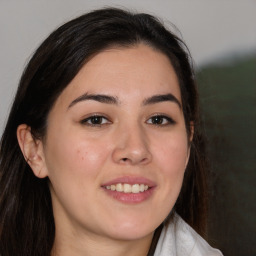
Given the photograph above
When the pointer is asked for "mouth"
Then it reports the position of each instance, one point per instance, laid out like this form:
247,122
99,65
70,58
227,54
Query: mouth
130,189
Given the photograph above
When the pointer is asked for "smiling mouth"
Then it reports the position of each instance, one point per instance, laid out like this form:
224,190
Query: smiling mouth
128,188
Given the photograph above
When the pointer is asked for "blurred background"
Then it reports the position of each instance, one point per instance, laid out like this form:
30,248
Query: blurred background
221,36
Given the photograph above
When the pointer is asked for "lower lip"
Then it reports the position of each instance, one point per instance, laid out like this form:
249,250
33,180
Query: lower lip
130,198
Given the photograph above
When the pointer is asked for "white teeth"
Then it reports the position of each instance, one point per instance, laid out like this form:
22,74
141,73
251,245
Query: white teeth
135,188
128,188
142,187
119,187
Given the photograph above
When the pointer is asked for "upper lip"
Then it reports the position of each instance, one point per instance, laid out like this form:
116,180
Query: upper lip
130,180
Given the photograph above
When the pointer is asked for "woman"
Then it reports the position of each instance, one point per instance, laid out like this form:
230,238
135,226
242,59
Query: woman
102,152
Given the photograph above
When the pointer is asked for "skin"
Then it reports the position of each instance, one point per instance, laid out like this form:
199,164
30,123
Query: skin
79,157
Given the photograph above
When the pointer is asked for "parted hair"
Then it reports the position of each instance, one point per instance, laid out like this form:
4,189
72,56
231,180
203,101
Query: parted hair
26,217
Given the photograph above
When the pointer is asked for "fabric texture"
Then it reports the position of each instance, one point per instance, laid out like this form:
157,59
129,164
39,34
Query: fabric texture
179,239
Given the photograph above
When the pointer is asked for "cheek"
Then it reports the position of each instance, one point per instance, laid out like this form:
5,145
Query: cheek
74,158
173,152
74,169
171,156
90,155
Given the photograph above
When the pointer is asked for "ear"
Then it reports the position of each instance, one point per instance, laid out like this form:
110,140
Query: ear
32,150
191,128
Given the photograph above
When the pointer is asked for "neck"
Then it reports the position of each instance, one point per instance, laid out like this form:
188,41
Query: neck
95,245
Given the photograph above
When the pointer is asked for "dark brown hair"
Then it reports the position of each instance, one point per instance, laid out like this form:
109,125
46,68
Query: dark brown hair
26,217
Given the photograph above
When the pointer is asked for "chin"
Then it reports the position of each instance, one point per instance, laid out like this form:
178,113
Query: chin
132,230
129,235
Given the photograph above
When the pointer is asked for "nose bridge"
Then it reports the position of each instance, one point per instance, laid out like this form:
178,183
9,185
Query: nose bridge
132,144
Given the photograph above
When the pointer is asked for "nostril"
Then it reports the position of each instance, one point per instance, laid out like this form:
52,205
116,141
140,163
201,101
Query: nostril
125,159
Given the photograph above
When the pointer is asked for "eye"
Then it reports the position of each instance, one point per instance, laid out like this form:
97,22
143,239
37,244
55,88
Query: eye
95,120
160,120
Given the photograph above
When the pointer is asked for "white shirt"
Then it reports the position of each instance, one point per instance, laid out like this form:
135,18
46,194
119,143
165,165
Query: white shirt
179,239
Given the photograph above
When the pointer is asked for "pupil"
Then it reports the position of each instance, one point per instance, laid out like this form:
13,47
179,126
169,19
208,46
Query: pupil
96,120
157,120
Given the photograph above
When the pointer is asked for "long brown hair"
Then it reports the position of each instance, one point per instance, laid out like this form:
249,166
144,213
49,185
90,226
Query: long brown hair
26,216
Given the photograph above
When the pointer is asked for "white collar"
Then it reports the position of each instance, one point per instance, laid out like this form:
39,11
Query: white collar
179,239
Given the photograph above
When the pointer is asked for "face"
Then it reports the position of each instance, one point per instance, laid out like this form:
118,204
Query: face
116,146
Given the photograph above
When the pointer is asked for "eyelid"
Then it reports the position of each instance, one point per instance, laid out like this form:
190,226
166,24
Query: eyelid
170,120
84,120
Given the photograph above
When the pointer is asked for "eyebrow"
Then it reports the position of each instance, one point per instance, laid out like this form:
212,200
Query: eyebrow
114,100
161,98
96,97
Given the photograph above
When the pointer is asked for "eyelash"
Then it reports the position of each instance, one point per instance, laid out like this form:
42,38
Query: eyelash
89,120
164,120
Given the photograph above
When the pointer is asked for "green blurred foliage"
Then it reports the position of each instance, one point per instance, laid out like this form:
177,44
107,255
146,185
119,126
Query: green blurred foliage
228,104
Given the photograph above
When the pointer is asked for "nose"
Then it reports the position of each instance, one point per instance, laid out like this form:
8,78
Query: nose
132,147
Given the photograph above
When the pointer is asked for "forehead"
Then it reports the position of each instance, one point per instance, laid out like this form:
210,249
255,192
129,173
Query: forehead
133,72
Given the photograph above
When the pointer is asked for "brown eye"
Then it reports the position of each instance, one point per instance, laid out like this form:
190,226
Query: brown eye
160,120
95,120
157,120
